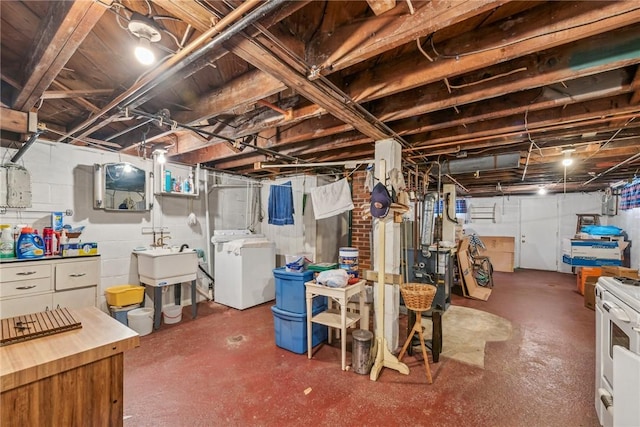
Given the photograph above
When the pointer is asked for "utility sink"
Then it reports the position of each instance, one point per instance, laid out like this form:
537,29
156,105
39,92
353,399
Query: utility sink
165,266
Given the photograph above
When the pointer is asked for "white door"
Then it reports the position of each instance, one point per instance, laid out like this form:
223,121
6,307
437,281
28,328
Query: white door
539,233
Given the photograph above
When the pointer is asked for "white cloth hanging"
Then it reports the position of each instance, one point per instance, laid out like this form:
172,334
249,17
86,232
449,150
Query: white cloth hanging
397,180
332,199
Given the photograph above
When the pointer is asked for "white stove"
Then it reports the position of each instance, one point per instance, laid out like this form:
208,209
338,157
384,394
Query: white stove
617,386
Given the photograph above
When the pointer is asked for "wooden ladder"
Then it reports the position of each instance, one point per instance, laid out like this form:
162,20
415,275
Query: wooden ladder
587,219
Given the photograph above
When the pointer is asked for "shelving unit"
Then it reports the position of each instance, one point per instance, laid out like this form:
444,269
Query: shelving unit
483,213
159,190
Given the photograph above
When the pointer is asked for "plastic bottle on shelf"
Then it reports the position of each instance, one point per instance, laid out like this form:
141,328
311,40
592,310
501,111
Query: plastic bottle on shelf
178,186
186,186
168,187
7,245
190,185
47,235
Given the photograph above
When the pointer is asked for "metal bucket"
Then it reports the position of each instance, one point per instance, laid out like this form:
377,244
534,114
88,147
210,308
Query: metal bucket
361,351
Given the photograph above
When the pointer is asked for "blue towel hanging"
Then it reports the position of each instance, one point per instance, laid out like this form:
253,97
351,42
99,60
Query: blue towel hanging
281,204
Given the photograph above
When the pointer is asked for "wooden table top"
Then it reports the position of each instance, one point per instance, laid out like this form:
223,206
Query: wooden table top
101,336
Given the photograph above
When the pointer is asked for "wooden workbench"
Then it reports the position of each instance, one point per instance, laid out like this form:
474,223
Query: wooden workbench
72,378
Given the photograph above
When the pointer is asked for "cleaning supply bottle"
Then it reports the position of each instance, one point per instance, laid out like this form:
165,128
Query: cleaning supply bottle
30,245
189,184
7,249
47,236
168,187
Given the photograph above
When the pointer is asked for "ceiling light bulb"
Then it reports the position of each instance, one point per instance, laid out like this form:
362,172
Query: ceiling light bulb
143,52
567,161
542,191
161,158
127,168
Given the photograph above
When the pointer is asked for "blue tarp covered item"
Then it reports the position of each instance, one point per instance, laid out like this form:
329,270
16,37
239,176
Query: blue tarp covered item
281,204
602,230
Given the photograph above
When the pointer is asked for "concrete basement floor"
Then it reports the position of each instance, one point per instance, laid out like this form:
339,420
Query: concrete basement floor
224,369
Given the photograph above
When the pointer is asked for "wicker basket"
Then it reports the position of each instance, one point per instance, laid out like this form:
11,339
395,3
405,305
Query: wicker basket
418,296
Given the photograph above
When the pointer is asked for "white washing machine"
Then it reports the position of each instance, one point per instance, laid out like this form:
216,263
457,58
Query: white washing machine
243,268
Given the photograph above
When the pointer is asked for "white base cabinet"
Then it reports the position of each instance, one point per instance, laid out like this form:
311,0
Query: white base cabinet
48,283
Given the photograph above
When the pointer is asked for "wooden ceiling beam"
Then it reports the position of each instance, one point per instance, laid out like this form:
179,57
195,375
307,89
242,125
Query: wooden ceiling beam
356,42
17,121
246,89
413,70
516,103
554,66
261,58
60,35
635,98
381,6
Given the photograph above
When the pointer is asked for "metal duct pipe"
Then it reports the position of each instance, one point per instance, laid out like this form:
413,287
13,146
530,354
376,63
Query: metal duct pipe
26,146
233,30
487,163
180,60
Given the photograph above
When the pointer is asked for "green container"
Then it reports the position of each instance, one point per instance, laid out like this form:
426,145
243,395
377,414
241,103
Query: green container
323,266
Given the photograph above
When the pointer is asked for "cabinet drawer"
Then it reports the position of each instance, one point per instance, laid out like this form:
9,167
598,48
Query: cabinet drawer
75,298
25,287
11,307
25,272
77,274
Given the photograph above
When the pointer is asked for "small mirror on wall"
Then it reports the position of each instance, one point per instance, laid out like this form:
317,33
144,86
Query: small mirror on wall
120,187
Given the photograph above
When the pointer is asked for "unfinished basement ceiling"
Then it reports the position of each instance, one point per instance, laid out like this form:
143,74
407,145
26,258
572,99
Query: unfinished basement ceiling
243,84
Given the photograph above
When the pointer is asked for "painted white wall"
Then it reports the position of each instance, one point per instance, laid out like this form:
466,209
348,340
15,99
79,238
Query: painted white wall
508,219
629,221
62,179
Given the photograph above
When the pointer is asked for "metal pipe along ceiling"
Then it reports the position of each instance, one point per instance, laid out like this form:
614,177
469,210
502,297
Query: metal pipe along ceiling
183,58
487,163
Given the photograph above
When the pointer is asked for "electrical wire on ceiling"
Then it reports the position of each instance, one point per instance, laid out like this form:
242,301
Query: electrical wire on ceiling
174,124
524,39
346,99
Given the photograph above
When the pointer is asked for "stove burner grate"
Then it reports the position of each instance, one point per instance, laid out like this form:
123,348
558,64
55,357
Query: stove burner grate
627,281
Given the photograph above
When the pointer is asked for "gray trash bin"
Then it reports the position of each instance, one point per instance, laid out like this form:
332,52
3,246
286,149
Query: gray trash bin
361,351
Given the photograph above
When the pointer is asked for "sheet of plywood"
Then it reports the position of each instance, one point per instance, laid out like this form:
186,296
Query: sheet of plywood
499,243
500,250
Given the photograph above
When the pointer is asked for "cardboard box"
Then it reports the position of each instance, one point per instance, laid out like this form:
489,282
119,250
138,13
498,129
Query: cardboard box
613,271
79,249
590,292
589,262
596,249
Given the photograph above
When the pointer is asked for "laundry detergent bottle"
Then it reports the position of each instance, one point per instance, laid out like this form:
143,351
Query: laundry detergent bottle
7,249
29,245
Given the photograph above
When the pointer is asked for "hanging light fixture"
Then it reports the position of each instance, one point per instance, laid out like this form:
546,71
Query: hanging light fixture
542,190
146,30
567,160
159,154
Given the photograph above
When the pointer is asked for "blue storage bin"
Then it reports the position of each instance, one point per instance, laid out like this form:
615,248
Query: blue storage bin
120,313
291,330
290,291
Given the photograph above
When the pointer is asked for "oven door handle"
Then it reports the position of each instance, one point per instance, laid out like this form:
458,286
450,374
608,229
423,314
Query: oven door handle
606,399
616,312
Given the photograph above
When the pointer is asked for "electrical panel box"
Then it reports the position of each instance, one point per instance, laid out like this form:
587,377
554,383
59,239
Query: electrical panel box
609,204
16,186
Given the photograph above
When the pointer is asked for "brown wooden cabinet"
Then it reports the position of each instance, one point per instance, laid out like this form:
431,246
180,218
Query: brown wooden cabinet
73,378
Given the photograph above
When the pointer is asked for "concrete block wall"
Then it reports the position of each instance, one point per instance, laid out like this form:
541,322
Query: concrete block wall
629,220
62,179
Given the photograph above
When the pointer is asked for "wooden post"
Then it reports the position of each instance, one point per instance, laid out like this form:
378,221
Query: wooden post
384,358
